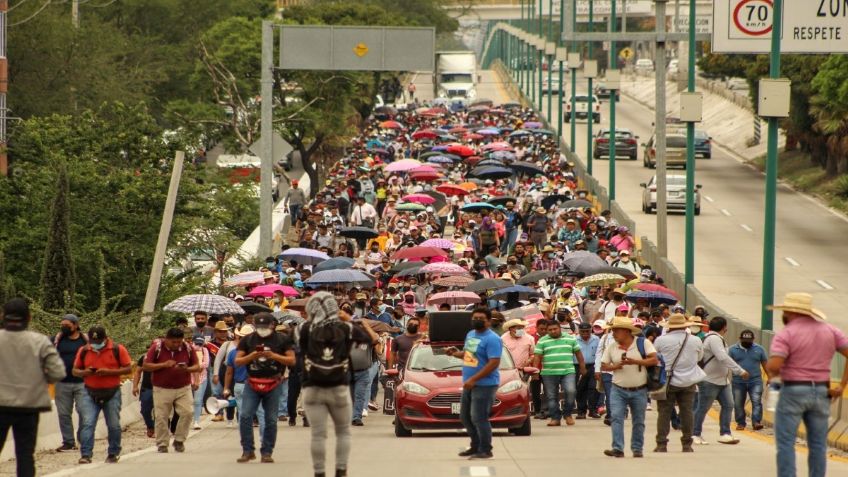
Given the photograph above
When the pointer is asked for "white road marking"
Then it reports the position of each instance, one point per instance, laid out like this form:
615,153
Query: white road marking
709,199
792,261
824,284
747,229
479,471
725,212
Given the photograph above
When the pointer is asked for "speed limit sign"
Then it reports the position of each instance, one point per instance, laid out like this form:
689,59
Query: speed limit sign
751,18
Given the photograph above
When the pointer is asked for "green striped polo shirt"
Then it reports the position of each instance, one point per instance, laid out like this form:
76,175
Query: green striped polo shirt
557,355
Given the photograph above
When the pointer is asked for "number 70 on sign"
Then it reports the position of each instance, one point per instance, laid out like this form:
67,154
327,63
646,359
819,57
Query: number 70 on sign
750,18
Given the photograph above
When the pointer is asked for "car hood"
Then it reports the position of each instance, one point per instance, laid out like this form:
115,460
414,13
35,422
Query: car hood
449,381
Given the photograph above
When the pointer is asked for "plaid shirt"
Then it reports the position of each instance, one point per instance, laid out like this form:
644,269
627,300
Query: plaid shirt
551,264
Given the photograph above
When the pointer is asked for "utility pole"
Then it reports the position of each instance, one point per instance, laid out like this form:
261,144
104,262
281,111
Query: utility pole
4,87
590,93
689,265
561,67
613,65
550,56
573,68
75,13
540,54
267,132
662,209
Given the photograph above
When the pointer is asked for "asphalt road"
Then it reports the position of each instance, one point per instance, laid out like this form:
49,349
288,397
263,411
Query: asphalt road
729,231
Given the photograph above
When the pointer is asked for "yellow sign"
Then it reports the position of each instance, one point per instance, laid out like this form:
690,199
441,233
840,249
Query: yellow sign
361,49
626,53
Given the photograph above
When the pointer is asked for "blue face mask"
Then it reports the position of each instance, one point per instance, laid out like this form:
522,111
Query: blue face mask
98,346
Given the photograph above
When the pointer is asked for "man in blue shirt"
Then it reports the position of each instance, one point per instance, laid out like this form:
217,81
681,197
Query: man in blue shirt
749,356
587,394
481,357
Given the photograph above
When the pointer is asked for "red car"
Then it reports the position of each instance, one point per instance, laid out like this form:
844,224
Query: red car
428,395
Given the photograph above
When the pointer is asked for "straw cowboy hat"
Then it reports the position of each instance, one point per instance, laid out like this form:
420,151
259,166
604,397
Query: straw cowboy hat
625,323
799,303
514,322
678,321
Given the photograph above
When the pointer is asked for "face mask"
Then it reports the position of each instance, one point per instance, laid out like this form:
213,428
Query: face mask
264,332
593,295
519,333
200,324
412,329
374,249
478,325
67,330
360,303
551,255
747,344
479,266
98,346
408,299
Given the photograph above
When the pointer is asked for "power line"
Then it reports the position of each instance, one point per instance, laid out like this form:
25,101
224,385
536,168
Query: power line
16,5
46,3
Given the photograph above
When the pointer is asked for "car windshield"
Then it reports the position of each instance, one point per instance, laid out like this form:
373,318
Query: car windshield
456,78
618,134
584,99
433,358
701,134
675,141
676,180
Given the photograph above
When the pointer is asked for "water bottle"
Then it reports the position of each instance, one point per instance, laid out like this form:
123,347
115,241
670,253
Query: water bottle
773,394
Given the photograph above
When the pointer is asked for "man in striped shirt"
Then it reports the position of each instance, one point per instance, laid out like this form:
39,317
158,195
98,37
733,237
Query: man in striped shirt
556,352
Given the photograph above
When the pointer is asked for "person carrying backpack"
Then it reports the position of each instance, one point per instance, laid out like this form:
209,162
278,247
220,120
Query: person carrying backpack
325,340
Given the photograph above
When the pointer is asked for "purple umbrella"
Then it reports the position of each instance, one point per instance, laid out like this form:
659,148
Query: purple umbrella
306,256
532,125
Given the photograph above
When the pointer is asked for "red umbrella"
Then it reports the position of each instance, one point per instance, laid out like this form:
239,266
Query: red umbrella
419,198
655,288
472,160
473,137
463,151
428,168
424,134
451,189
425,176
391,125
418,252
458,130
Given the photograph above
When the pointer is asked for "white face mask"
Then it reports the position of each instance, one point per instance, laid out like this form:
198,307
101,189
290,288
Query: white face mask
519,333
264,332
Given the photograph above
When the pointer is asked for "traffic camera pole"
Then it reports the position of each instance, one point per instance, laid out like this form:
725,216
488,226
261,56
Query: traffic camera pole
266,203
531,58
573,69
662,198
689,266
612,28
590,123
771,178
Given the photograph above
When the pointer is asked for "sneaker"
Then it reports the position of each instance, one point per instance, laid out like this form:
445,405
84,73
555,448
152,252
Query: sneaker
230,423
292,422
372,406
357,422
481,455
607,421
594,415
740,427
757,426
614,453
246,457
112,459
282,418
569,421
196,425
699,440
67,448
179,446
162,449
84,460
365,413
266,459
638,454
218,418
650,408
728,439
467,452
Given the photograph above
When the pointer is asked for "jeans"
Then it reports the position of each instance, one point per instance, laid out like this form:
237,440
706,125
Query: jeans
741,391
320,404
111,414
145,400
361,387
553,383
294,394
283,410
685,399
811,405
637,401
709,392
68,394
539,406
508,241
250,402
587,395
24,427
198,399
375,383
294,213
606,379
476,405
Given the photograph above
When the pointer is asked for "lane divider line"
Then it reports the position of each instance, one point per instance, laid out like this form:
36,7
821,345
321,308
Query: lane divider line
725,212
824,284
746,228
709,199
792,261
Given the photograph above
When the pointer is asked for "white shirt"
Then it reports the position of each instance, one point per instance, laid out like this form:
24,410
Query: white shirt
363,212
631,375
686,371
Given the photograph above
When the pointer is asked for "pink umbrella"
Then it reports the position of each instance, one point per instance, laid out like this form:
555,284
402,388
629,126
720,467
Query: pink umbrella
454,298
438,243
244,279
443,268
426,168
497,146
403,165
269,290
419,198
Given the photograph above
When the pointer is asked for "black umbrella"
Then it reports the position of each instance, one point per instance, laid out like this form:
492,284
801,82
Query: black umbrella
398,267
491,172
551,200
501,200
253,308
491,162
411,270
358,232
511,105
335,263
582,260
482,102
486,284
592,270
535,276
576,203
441,199
527,168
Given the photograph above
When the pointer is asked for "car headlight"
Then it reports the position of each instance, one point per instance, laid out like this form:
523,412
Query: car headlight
471,93
414,388
511,386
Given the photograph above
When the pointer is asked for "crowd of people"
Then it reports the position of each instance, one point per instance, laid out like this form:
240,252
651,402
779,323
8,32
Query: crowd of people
429,201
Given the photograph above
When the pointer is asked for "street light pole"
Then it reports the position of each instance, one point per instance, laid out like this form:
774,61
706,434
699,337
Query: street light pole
591,97
266,203
549,57
573,68
689,266
540,54
662,199
613,94
561,66
771,178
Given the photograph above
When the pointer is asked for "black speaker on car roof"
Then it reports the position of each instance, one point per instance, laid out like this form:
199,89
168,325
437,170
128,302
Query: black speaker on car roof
449,326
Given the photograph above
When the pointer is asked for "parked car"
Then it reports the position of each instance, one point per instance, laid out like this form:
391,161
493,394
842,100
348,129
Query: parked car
602,92
427,397
673,66
675,150
675,194
644,65
626,144
703,144
581,105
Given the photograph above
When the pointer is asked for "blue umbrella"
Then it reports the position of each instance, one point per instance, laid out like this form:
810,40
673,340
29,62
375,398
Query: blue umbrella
503,155
374,143
520,132
523,292
305,256
335,277
477,206
491,172
440,160
491,162
335,263
654,297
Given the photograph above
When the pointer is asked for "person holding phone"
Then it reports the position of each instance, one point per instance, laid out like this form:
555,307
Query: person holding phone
481,357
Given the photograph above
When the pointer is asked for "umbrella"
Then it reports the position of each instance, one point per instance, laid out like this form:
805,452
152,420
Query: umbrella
305,256
544,132
478,109
523,292
418,252
473,137
425,176
443,268
457,130
490,162
253,308
486,284
403,165
451,189
454,298
482,102
419,198
551,200
477,207
535,276
503,155
498,146
425,155
593,270
655,298
491,172
335,263
429,168
519,133
411,270
532,125
244,279
399,267
454,281
441,200
385,110
489,131
580,260
212,304
461,150
356,232
501,200
469,186
577,203
425,134
527,168
438,243
410,207
655,288
391,125
334,277
440,159
599,279
511,105
271,288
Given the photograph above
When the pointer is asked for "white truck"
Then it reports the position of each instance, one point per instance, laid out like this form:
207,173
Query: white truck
456,75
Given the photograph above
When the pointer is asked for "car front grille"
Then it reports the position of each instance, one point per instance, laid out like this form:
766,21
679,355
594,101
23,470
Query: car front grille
444,400
514,411
452,93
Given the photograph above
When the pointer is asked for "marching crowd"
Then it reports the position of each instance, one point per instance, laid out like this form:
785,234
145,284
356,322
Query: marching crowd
434,208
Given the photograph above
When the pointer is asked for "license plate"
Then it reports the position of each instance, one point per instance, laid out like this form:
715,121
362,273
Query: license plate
455,406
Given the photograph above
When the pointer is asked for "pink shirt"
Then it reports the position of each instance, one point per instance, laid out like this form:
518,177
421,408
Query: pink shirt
808,346
521,348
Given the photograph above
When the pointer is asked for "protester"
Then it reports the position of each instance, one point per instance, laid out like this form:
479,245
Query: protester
587,394
363,360
750,356
518,342
142,388
402,345
554,355
23,387
69,391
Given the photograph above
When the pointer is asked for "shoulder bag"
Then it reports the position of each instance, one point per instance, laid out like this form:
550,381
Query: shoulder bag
661,393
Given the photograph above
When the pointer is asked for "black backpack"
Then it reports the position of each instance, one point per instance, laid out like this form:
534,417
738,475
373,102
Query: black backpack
326,354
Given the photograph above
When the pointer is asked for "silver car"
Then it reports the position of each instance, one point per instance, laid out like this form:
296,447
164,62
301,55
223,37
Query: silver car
675,194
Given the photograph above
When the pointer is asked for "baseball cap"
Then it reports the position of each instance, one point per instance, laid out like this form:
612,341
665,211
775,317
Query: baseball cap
263,319
71,317
584,326
97,333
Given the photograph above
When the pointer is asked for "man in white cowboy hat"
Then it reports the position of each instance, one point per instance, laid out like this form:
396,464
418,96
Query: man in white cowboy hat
801,354
518,342
681,352
629,383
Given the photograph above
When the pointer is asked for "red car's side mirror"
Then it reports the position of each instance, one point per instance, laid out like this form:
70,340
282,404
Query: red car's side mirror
530,370
392,372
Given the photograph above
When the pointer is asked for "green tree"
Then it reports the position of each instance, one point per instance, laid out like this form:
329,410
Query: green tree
58,279
829,107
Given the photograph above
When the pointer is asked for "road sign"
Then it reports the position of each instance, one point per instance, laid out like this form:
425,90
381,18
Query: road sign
281,146
703,24
626,53
361,49
809,26
601,7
